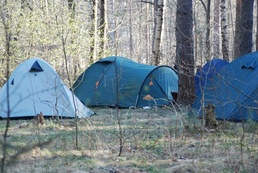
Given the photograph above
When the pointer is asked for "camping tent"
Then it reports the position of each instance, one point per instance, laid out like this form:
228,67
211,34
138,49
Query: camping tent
137,85
205,74
35,87
233,90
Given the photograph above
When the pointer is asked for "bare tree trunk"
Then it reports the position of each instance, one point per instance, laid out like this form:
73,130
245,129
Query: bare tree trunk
147,35
256,25
103,27
185,52
75,63
93,31
158,20
246,32
112,26
7,54
139,59
216,37
224,32
130,29
95,52
237,29
208,44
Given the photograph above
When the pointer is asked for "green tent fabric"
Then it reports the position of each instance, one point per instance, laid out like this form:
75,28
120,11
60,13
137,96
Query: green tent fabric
137,85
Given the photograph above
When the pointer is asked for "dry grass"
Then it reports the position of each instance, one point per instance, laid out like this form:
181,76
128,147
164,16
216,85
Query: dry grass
162,141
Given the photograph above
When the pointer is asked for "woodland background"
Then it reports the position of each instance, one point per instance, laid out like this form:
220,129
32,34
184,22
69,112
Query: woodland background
72,34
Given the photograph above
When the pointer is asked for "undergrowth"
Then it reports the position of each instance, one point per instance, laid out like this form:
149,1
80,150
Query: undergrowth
162,140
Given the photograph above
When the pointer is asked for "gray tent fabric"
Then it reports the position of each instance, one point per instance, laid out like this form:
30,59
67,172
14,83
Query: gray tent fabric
35,87
119,81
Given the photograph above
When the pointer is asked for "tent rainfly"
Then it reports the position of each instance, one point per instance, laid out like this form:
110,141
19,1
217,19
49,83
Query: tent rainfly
205,74
35,87
119,81
233,90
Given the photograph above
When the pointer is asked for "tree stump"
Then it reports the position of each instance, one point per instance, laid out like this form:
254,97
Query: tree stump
210,118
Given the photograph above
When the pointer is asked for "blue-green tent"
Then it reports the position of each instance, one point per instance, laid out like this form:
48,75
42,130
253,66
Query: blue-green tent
99,84
233,90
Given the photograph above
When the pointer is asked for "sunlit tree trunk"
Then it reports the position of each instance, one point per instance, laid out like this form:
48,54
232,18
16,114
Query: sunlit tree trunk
224,32
75,62
216,35
246,32
140,42
147,35
94,31
208,43
158,20
256,40
130,30
6,22
103,27
95,52
112,28
185,51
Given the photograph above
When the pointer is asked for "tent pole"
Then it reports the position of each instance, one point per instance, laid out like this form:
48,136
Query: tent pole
137,98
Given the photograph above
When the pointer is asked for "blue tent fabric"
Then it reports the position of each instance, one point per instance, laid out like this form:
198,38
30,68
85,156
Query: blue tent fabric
205,74
233,90
98,84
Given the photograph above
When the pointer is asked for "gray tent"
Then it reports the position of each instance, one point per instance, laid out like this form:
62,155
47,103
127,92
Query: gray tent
35,87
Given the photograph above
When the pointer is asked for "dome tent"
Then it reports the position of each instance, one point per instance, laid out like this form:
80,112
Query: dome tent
35,87
233,90
98,85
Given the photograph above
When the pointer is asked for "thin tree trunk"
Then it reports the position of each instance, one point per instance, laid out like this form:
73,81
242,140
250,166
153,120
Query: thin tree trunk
147,35
256,25
112,28
76,64
95,52
130,29
103,27
158,20
185,52
196,35
224,32
7,53
216,35
237,29
208,44
93,31
139,59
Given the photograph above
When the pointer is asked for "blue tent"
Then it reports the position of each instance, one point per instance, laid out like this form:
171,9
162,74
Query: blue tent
205,74
233,90
137,85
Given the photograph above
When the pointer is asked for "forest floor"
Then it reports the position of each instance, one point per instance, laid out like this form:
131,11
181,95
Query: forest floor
162,140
